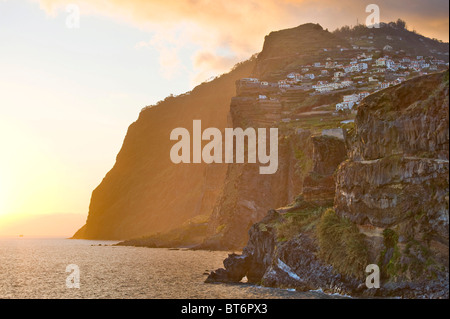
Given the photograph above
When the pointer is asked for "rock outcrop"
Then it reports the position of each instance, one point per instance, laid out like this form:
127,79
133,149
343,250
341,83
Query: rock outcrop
284,50
328,153
396,181
390,206
277,253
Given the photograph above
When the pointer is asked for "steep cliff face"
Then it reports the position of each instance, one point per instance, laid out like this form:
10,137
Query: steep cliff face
395,183
282,250
328,153
145,193
390,206
306,162
247,194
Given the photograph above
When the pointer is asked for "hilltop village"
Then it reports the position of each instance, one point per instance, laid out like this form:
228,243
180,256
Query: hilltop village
353,73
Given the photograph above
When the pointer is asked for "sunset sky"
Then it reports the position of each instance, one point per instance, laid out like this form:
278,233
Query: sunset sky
67,95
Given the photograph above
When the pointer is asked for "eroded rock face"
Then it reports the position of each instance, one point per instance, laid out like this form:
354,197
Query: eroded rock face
295,264
410,119
396,192
385,192
328,152
396,178
256,256
290,264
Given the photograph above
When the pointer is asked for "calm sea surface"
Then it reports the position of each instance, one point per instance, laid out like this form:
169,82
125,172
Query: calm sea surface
36,268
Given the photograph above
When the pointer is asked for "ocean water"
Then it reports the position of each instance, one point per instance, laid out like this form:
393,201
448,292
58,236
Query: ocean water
36,268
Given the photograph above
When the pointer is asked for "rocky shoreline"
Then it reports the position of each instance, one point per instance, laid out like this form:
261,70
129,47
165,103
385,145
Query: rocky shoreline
390,207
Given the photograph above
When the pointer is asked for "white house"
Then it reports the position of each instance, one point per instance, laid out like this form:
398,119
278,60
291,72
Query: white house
344,106
351,98
283,84
363,95
381,62
250,80
346,83
385,85
291,75
363,66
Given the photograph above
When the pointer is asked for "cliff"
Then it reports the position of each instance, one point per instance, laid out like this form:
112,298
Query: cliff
390,206
145,193
395,184
287,49
146,196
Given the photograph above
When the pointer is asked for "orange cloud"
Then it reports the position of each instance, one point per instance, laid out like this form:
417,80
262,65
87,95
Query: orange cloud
239,26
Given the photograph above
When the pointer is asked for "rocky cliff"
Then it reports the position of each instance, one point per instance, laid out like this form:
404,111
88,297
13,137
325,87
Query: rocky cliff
395,184
145,193
390,206
285,50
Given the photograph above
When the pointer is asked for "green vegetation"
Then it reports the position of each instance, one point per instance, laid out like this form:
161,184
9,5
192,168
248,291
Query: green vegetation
391,267
342,245
262,227
446,78
421,263
304,162
413,260
220,228
317,123
302,220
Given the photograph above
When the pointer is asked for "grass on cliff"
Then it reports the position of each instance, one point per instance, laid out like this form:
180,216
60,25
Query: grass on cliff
342,245
413,260
296,222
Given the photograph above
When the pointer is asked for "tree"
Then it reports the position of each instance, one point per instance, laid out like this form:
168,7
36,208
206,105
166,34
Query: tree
401,24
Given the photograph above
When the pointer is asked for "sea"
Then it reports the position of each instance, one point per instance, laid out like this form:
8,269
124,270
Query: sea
59,268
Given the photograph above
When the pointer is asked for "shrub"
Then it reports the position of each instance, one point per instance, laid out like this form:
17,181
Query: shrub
298,221
342,245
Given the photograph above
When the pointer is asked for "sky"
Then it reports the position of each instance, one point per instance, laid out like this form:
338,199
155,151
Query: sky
69,88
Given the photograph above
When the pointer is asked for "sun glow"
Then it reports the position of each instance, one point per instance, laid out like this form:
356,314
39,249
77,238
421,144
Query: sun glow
2,199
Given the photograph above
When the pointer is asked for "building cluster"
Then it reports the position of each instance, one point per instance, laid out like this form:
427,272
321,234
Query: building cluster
366,72
351,100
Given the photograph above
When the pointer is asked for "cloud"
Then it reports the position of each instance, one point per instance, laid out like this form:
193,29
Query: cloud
238,27
211,64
